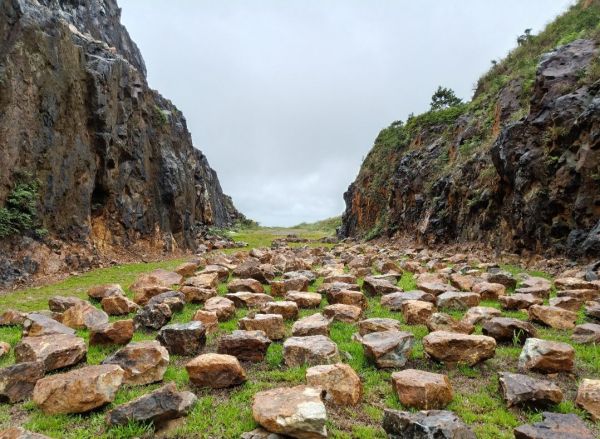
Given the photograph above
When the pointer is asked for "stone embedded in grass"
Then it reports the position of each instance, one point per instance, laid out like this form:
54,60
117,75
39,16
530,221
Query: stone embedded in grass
17,381
505,329
197,295
452,347
440,321
84,316
221,270
592,310
553,316
167,277
573,283
339,381
36,325
426,424
147,286
281,287
224,307
187,269
183,338
62,303
12,317
489,290
462,282
343,313
119,333
340,277
292,411
20,433
314,324
152,317
497,276
79,390
377,324
546,356
519,301
583,295
118,305
286,308
389,348
311,350
586,333
247,285
422,390
216,371
175,300
417,312
208,318
300,273
245,299
144,362
375,286
99,292
56,350
567,302
245,345
518,389
304,299
434,287
588,397
324,288
458,300
394,301
271,324
555,426
347,297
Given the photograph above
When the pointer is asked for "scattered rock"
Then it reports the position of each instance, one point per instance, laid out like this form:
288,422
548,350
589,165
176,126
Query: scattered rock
17,381
519,301
479,314
101,291
247,285
20,433
394,301
271,324
489,291
286,308
417,312
152,317
224,307
12,317
197,295
119,333
340,382
422,390
62,303
588,397
118,305
462,282
453,347
501,277
546,356
343,313
216,371
553,316
428,424
374,286
36,325
347,297
84,316
56,350
518,389
440,321
143,362
555,426
304,299
567,302
245,345
377,325
505,329
389,348
457,300
311,350
187,269
183,338
249,300
586,333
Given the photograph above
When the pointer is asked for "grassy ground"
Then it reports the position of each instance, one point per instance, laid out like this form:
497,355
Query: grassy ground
227,413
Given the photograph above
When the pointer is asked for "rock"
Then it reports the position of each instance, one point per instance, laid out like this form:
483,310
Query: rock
173,299
453,347
340,277
311,350
249,300
20,433
573,283
280,288
166,277
36,325
343,313
286,308
586,333
11,317
187,269
374,286
324,288
215,371
314,324
161,405
519,301
56,350
505,329
501,277
583,295
588,397
84,316
537,282
62,303
422,390
119,333
292,411
197,295
209,319
555,426
347,297
224,307
538,291
546,356
220,269
438,424
389,348
79,390
4,348
99,292
247,285
153,317
552,316
300,273
183,338
417,312
261,433
593,310
462,282
271,324
518,389
17,381
340,382
118,305
304,299
394,301
377,325
434,287
440,321
245,345
567,302
489,291
457,300
143,362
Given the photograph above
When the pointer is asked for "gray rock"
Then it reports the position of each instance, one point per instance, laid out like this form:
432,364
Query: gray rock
555,426
183,338
518,389
429,424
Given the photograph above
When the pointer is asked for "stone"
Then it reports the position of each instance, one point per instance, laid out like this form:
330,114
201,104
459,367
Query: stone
143,362
538,291
209,319
56,350
324,288
457,300
206,280
537,282
312,350
144,294
573,283
249,300
292,411
440,321
422,390
166,277
152,317
505,278
339,381
118,305
546,356
300,273
375,287
343,313
518,389
216,371
271,324
224,307
4,348
505,329
17,381
79,390
119,333
462,282
261,433
519,301
314,324
555,426
452,347
394,301
247,285
99,292
567,302
36,325
183,338
245,345
20,433
187,269
175,300
388,349
417,312
377,324
427,424
489,290
434,287
347,297
479,314
583,295
588,397
553,316
340,277
197,295
220,269
62,303
304,299
586,333
12,317
592,310
84,316
286,308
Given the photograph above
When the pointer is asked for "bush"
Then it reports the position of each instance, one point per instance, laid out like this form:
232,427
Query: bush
19,215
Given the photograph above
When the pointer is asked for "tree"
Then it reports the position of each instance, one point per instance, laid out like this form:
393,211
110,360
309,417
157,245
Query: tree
525,38
444,98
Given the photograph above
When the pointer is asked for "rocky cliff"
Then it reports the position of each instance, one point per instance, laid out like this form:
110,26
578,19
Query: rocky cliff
114,159
517,167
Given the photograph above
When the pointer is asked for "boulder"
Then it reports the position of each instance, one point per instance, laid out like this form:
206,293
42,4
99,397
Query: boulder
304,299
518,389
374,286
245,345
152,317
462,282
118,305
84,316
479,314
343,313
183,338
453,347
434,287
339,381
247,285
143,362
573,283
440,321
340,277
311,350
146,291
119,333
271,324
519,301
79,390
388,349
567,302
417,312
546,356
592,310
197,295
553,316
36,325
586,333
422,390
62,303
505,329
429,424
249,300
292,411
501,277
286,308
489,291
56,350
377,324
99,292
166,277
215,371
206,280
588,397
457,300
208,318
280,288
175,300
12,317
220,269
347,297
394,301
555,426
224,307
17,381
187,269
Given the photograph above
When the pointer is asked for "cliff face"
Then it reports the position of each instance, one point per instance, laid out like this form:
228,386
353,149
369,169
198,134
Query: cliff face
115,161
517,168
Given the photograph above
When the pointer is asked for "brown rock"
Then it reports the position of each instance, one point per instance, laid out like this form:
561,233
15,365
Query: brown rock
245,345
216,371
505,329
119,333
573,283
208,318
479,314
221,270
417,312
271,324
99,292
143,362
422,390
20,433
84,316
389,348
343,313
588,397
440,321
36,325
452,347
347,297
553,316
340,277
457,300
286,308
519,301
62,303
56,350
247,285
394,301
538,291
249,300
374,286
340,382
207,281
314,324
555,426
312,351
546,356
197,295
12,317
567,302
586,333
462,282
187,269
377,325
436,287
118,305
489,291
304,299
183,338
224,307
518,389
17,381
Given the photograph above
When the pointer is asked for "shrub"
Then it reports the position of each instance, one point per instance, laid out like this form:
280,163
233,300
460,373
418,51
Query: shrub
19,215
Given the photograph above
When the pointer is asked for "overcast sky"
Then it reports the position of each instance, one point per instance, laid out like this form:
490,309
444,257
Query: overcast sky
285,97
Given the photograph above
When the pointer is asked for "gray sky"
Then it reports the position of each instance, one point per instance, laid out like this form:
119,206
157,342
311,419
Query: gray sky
285,97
